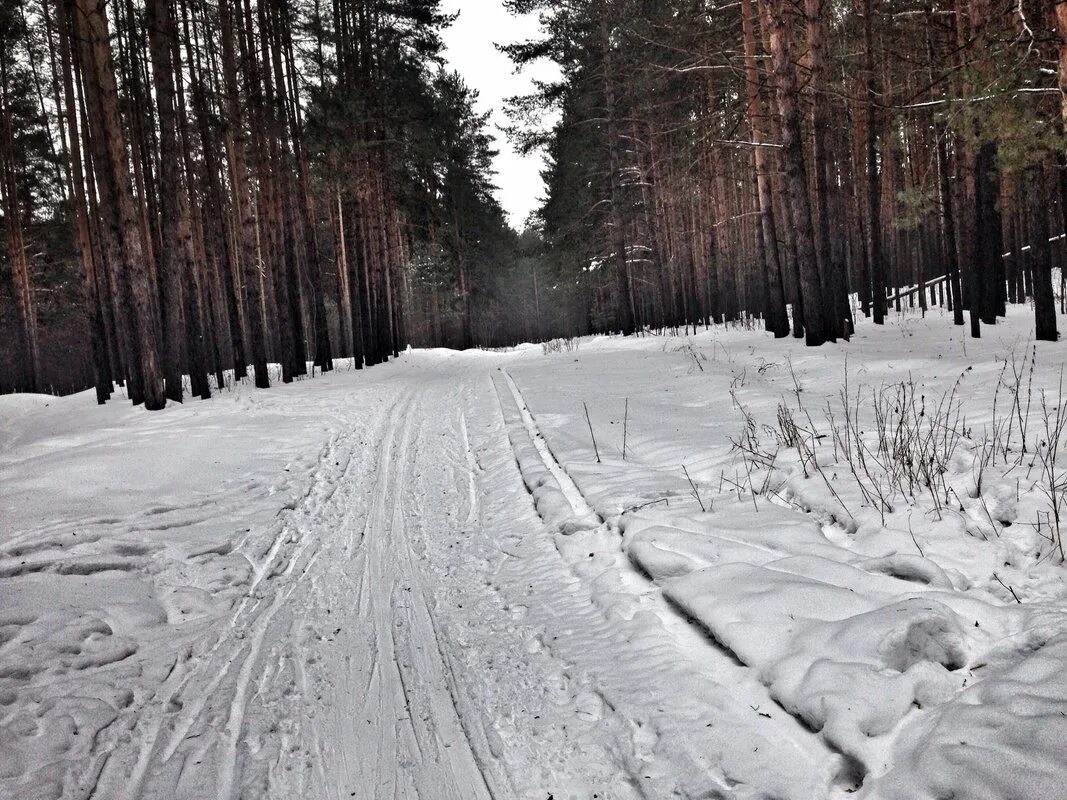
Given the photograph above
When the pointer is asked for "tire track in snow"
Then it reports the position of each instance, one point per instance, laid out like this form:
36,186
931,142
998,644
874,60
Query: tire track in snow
579,505
516,703
687,657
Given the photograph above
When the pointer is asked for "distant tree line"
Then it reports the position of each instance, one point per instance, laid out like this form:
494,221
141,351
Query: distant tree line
715,160
193,190
236,183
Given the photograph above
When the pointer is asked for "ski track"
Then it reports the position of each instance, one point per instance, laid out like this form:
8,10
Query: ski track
211,688
414,629
382,716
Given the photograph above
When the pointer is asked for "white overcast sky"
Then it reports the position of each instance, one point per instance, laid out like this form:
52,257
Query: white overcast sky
470,51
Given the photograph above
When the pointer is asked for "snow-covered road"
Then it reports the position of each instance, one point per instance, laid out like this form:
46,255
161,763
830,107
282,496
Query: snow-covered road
418,581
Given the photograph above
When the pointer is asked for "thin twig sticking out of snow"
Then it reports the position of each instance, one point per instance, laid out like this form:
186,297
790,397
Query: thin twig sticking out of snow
696,492
639,506
998,580
591,434
911,530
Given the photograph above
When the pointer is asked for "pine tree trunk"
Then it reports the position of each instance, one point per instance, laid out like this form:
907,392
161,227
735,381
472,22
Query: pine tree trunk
105,241
948,221
323,358
29,361
944,187
171,261
1061,27
236,140
100,83
364,287
796,183
724,265
860,224
822,168
1041,255
626,312
102,370
353,232
875,255
344,300
226,261
989,258
200,328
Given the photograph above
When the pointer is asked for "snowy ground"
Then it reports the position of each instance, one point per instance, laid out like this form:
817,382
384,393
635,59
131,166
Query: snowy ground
421,581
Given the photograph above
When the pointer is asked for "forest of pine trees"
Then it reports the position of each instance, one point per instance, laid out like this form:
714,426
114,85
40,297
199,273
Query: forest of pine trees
235,184
193,190
727,160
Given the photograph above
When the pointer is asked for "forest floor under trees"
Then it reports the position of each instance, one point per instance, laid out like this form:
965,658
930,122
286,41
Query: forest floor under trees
668,566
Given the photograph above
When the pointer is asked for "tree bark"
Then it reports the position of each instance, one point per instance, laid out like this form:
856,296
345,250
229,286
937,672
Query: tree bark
100,83
1041,255
171,188
875,256
102,370
822,167
29,361
236,141
626,312
796,182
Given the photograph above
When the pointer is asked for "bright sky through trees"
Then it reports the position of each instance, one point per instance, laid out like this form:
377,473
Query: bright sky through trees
471,50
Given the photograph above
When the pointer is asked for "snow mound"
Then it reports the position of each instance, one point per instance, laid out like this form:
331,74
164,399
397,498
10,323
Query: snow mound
1002,738
12,405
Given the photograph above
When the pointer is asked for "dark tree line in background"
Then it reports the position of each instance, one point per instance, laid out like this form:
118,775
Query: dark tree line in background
195,190
237,183
720,160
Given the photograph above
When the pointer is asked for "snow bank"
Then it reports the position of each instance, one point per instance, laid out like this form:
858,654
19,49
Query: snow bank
1001,738
704,606
919,641
538,468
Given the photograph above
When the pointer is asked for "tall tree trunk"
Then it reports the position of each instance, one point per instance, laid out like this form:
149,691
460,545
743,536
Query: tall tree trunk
29,361
344,307
626,312
875,256
796,182
100,83
948,221
822,167
990,240
161,34
1041,255
102,368
860,223
226,259
1061,27
782,216
236,141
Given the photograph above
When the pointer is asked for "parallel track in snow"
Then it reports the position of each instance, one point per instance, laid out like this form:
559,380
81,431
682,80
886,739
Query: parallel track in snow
686,671
340,674
174,732
375,712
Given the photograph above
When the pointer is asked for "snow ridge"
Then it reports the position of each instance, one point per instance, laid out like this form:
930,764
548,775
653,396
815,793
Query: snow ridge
700,718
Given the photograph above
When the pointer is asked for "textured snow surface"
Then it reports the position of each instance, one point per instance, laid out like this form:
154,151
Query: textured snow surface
419,581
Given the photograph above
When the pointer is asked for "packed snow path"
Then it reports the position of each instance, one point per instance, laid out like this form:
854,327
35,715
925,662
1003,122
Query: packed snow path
410,630
417,581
